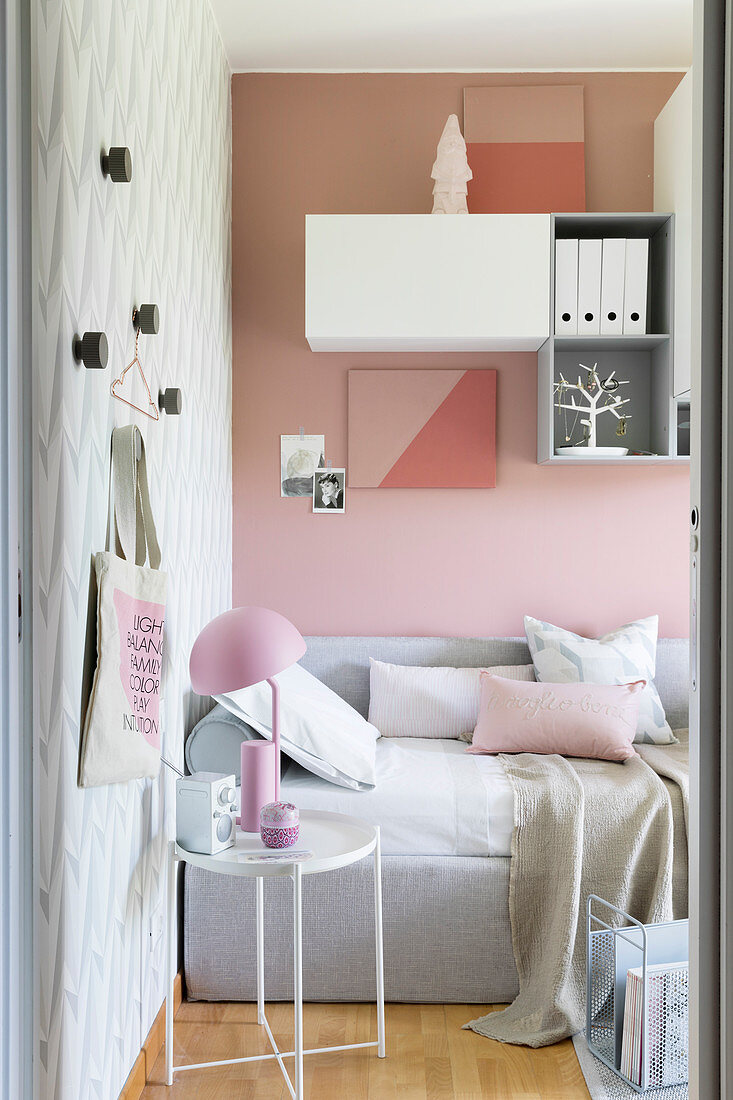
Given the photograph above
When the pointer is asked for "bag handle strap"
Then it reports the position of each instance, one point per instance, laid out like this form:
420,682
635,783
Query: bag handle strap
150,535
136,537
123,494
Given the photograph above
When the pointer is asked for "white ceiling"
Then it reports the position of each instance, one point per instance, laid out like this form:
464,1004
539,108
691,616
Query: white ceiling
454,35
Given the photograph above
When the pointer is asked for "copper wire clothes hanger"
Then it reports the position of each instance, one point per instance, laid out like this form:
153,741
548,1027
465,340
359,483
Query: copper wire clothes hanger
118,383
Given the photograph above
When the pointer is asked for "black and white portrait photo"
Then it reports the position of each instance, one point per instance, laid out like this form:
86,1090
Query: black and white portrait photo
328,490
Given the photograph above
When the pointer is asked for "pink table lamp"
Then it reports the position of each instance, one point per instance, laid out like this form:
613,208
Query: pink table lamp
240,648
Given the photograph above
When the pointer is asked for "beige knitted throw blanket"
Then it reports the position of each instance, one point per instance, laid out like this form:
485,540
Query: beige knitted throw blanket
584,827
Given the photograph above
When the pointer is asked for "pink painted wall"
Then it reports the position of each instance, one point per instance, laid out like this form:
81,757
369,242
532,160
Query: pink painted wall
589,548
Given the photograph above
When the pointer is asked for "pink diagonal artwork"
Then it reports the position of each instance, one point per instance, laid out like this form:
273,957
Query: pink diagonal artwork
413,429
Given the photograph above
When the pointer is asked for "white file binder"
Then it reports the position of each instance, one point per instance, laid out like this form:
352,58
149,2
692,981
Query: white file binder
589,286
612,285
566,287
635,285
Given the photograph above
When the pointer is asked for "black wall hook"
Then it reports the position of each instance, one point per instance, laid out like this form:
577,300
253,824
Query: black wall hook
117,164
91,349
146,318
169,401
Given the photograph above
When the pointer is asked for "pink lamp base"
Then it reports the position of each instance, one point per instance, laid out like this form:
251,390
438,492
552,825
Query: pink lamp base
259,768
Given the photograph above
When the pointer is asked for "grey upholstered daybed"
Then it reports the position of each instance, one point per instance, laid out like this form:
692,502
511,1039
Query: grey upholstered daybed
447,936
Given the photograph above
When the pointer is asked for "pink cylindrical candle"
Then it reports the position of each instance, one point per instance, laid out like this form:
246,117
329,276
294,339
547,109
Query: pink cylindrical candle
259,767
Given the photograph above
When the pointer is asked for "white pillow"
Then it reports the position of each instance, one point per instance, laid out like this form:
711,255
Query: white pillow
317,727
521,673
413,701
624,655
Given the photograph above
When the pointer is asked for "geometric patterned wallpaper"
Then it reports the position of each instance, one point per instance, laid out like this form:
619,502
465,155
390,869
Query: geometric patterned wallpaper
152,75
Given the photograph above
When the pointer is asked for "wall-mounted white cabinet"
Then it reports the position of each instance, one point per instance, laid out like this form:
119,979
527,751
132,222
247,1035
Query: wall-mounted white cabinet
424,282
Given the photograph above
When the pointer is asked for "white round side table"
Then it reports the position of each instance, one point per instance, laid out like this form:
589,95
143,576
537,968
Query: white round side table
336,840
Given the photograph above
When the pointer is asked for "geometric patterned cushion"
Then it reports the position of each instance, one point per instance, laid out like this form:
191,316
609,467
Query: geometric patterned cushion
624,655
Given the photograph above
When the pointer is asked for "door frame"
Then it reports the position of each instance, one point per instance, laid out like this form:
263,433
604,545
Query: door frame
711,561
726,573
17,979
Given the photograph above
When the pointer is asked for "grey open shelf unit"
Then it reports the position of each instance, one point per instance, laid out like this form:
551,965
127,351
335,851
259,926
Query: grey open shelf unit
646,360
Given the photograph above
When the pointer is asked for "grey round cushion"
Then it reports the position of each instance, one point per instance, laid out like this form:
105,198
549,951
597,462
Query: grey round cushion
214,743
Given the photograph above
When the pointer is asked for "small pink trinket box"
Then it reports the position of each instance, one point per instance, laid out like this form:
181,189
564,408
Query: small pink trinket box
279,824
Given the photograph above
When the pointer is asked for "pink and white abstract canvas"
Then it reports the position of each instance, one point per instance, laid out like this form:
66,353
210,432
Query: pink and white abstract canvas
422,429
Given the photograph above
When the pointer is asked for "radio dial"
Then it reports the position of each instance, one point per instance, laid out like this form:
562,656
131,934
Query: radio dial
226,795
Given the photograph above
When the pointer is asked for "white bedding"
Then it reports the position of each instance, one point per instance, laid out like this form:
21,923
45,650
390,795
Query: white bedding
431,798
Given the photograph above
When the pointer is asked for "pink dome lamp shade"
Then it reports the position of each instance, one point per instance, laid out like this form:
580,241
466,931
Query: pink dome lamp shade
243,647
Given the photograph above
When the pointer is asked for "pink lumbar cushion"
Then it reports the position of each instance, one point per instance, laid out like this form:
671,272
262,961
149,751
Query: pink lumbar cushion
595,720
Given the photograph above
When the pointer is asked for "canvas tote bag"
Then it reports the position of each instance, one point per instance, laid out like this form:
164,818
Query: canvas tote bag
121,738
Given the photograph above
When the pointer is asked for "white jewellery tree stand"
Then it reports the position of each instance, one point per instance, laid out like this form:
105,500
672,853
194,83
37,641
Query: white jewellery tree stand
592,390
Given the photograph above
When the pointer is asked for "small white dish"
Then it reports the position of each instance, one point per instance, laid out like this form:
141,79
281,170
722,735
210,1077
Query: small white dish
592,452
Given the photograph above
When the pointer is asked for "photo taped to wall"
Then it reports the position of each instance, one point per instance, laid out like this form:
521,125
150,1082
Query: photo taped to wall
328,490
299,457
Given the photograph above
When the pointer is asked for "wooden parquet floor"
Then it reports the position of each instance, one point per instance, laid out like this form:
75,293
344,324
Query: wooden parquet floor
429,1057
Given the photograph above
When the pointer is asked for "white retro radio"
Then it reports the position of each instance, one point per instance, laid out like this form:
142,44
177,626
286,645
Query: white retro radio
205,812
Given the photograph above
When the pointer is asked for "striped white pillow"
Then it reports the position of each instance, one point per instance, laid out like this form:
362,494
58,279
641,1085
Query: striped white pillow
411,701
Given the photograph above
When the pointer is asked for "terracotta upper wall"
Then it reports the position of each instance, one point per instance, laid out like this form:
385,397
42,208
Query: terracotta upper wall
589,547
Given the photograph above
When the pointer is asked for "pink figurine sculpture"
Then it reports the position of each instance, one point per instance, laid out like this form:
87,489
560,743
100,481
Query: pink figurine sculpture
450,171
